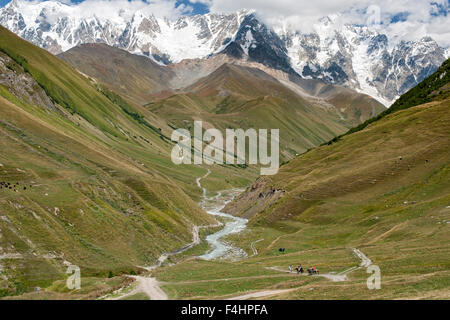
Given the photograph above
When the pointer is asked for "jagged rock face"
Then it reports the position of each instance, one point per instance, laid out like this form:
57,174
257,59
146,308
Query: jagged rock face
21,84
58,27
260,44
363,59
353,56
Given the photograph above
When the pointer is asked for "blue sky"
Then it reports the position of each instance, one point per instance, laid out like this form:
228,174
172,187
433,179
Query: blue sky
199,8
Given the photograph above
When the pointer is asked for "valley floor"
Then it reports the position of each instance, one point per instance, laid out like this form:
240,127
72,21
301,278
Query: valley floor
409,269
400,225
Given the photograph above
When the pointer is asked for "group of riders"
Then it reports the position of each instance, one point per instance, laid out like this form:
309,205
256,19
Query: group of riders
299,269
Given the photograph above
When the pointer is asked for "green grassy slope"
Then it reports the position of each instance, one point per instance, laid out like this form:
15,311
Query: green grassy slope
101,191
378,160
380,157
240,97
384,190
355,108
229,96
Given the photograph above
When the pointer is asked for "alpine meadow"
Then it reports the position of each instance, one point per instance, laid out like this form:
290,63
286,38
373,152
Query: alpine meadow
215,150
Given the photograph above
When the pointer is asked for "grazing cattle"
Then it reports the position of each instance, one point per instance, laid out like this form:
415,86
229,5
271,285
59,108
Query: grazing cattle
281,249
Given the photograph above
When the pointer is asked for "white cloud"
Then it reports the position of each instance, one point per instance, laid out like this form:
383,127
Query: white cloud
297,14
115,10
302,14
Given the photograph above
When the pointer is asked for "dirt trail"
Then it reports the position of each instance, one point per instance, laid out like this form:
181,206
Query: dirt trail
273,242
252,245
164,256
330,276
365,262
335,277
200,186
149,286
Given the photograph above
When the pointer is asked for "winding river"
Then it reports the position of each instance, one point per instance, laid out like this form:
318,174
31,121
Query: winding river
220,249
213,206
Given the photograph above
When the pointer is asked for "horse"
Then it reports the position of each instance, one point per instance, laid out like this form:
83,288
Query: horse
312,271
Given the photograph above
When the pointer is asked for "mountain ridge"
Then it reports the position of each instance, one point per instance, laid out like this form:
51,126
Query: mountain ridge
356,57
182,77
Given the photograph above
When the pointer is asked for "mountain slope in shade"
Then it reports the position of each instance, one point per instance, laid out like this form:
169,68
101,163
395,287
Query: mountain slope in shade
250,83
259,43
357,57
350,107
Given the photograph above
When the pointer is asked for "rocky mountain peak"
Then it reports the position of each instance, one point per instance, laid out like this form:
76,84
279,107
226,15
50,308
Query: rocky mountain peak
357,57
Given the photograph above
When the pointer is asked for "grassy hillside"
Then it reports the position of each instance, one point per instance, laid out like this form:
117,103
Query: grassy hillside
135,77
384,190
86,179
90,174
240,97
228,94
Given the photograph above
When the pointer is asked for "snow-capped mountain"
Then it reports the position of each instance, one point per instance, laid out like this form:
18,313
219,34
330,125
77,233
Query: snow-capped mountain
363,59
357,57
58,27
